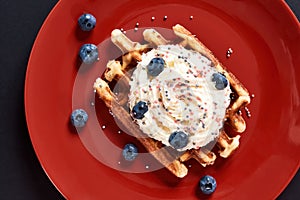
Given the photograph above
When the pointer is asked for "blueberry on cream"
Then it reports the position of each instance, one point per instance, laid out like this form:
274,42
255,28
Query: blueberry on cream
220,80
156,66
178,139
139,110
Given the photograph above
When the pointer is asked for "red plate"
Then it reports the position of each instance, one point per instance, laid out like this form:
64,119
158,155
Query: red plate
265,38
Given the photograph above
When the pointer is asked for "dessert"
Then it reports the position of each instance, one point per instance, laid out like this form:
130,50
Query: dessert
179,98
184,94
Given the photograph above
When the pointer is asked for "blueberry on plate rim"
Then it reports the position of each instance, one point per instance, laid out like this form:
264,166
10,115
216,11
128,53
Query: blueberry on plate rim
79,118
139,110
220,81
88,53
156,66
207,184
130,152
87,22
178,139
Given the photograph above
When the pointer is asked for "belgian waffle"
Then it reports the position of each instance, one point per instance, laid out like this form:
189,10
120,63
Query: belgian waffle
132,53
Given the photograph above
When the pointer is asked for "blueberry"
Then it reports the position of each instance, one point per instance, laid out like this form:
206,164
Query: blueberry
130,152
139,110
79,118
156,66
221,81
207,184
87,22
178,139
88,53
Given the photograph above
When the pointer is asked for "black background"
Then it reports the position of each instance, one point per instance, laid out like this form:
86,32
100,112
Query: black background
21,176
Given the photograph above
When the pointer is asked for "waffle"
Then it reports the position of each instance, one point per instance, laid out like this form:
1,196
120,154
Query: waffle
132,53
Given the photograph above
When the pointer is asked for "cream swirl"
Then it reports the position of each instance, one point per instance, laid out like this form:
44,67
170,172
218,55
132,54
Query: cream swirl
182,97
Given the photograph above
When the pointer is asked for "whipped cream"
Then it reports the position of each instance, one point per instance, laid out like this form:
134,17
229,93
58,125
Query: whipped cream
182,97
